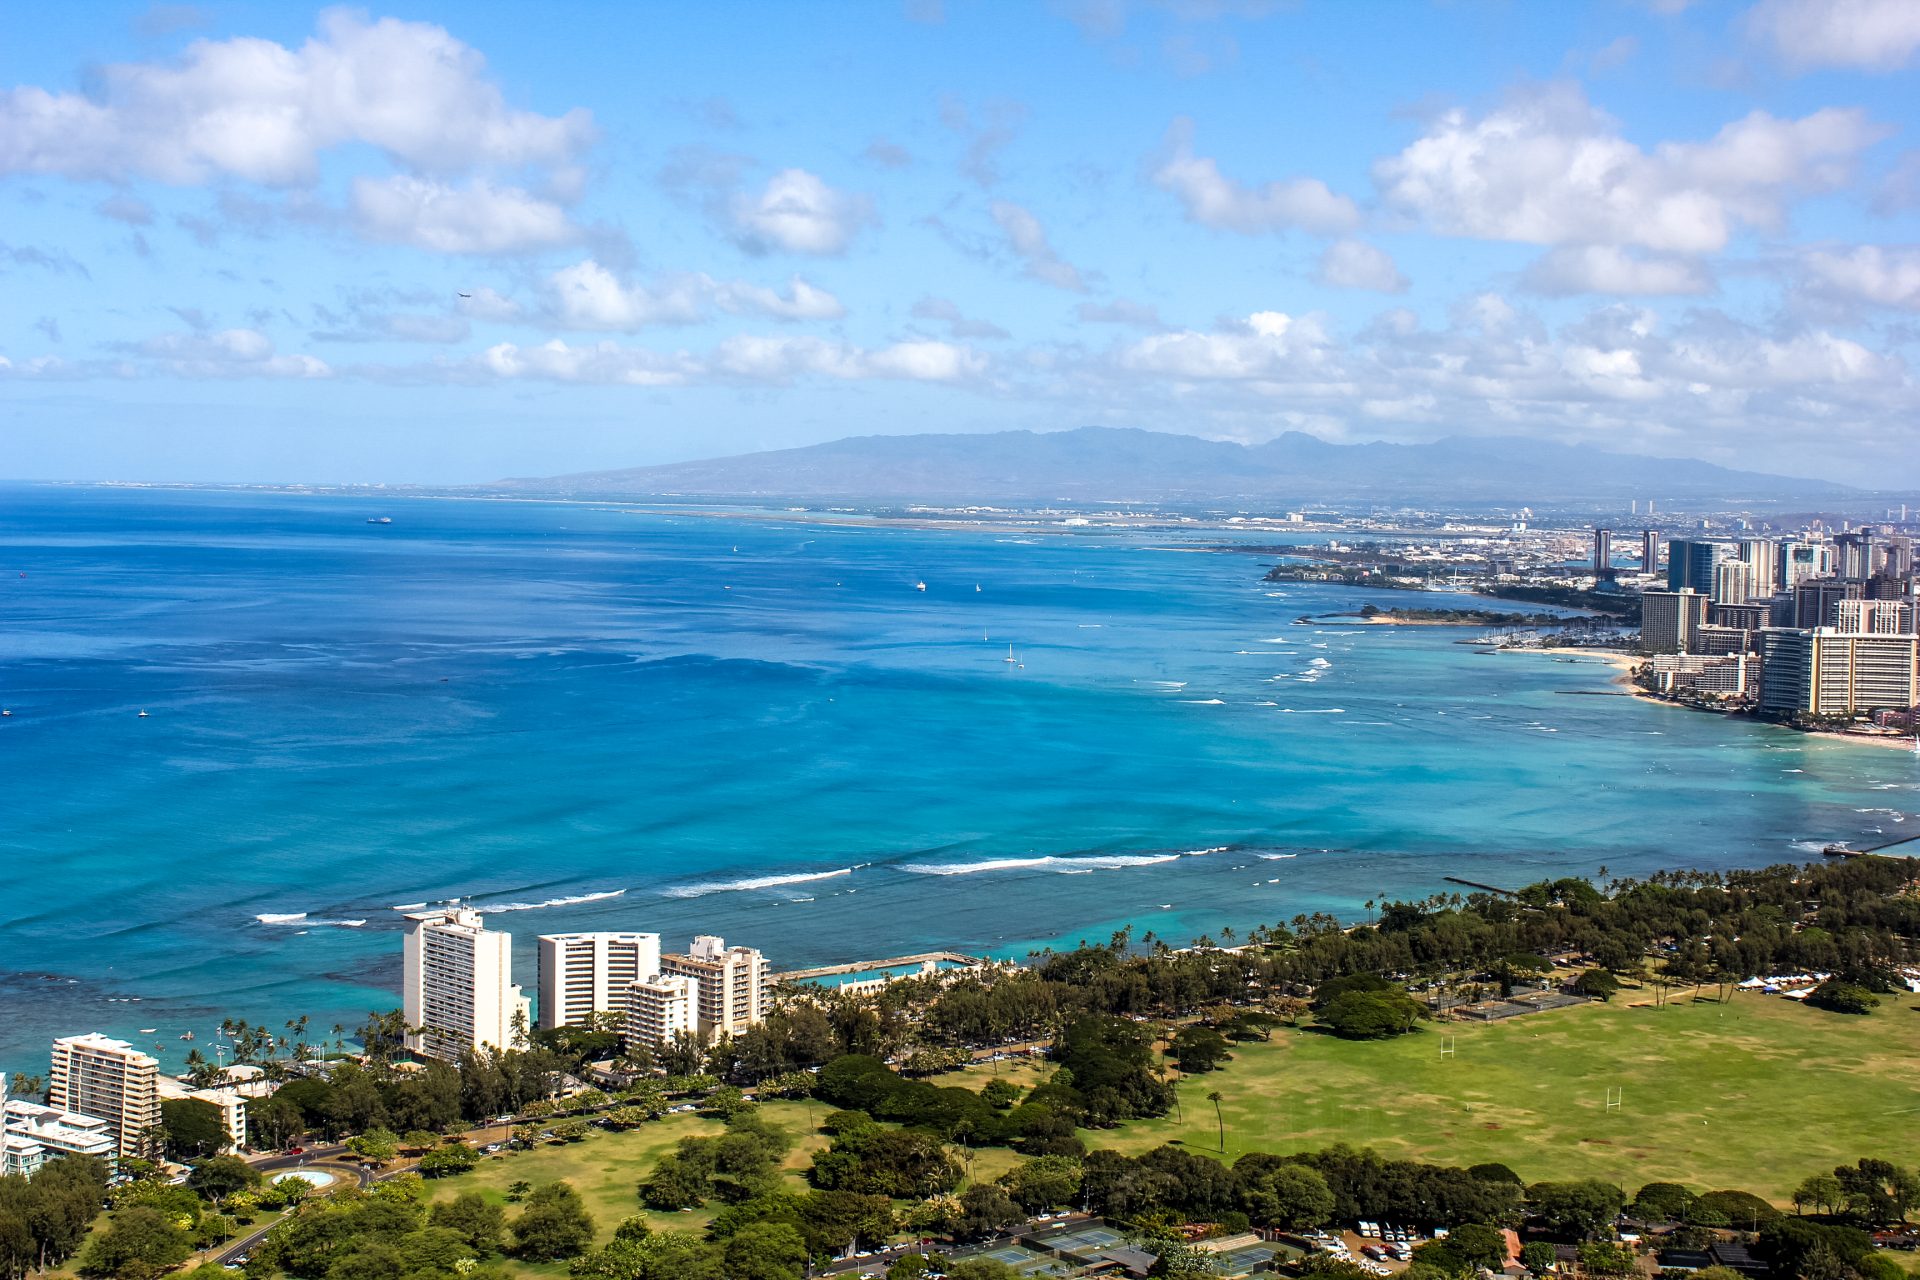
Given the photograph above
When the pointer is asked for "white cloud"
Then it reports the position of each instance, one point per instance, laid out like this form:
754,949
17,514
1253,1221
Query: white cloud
1869,35
1028,240
485,303
230,353
477,218
1610,269
1267,345
589,296
745,358
1214,200
1549,168
1355,264
254,109
1887,277
799,213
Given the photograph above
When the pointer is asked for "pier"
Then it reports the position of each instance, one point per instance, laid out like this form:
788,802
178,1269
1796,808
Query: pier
925,962
1475,884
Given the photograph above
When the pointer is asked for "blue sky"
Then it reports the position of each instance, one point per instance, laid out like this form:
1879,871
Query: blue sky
234,237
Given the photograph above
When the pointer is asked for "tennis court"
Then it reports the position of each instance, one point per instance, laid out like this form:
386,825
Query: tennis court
1028,1262
1090,1239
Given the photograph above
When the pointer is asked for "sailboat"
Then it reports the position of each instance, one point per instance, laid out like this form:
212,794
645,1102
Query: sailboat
919,586
1009,657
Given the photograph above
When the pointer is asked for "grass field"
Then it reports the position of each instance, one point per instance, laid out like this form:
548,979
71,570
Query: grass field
1754,1095
607,1168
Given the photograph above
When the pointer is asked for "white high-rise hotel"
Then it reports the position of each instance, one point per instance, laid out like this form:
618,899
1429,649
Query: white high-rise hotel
459,985
712,990
99,1076
582,974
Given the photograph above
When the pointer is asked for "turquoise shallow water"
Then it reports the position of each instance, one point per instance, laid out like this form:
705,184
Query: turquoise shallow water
584,717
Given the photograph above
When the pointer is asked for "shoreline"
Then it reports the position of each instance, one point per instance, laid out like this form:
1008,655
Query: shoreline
1624,664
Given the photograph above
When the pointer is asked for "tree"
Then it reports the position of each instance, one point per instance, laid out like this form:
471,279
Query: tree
1601,1259
1370,1015
1577,1209
1837,996
194,1128
375,1146
1479,1244
1197,1049
555,1224
766,1251
1822,1191
1044,1182
1662,1202
138,1243
986,1210
444,1162
1290,1196
473,1218
216,1179
1538,1257
1597,984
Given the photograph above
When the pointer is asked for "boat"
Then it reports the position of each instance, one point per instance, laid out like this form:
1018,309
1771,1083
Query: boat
379,519
919,586
186,1035
147,1031
143,715
976,586
1009,657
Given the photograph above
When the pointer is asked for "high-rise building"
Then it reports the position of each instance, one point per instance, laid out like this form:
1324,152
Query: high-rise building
733,984
109,1080
1762,558
1603,554
31,1135
1649,550
1669,620
1874,617
582,974
458,985
1855,553
1802,560
1825,672
1691,561
1816,601
1733,582
661,1008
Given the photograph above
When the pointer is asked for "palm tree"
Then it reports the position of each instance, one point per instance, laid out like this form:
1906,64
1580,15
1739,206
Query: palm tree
1219,1118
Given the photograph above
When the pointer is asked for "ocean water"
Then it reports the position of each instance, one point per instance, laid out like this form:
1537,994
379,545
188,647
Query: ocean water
582,716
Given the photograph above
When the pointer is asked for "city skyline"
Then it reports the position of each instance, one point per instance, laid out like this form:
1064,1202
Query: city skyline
1670,228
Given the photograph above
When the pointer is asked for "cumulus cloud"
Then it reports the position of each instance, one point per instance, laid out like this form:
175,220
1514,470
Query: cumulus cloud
1355,264
1214,200
797,212
589,296
1867,35
1885,277
959,325
1707,386
1549,168
478,218
229,353
746,358
1028,240
257,110
1610,269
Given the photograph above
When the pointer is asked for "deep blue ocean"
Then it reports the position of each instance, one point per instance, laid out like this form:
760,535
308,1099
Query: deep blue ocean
583,717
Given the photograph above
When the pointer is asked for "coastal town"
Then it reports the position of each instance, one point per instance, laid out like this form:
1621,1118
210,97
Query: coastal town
1812,627
235,1165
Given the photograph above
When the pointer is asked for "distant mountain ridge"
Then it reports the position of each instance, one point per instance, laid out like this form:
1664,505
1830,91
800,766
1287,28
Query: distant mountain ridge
1108,464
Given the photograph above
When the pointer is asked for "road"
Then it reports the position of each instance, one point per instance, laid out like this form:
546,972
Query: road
327,1158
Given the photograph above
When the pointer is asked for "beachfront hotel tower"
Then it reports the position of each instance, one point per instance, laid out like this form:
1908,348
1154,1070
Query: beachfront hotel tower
733,984
582,974
110,1080
661,1009
458,980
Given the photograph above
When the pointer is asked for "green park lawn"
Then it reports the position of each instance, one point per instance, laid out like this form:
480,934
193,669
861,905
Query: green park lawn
606,1168
1754,1095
